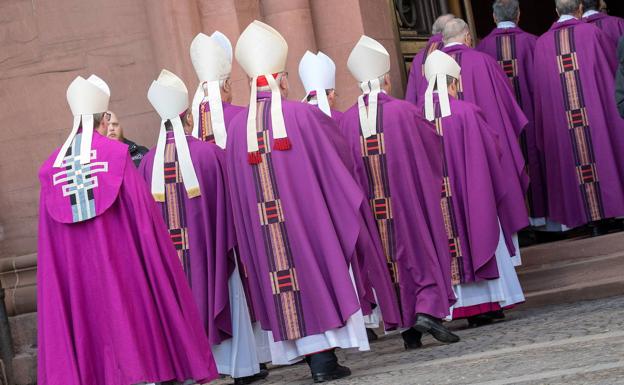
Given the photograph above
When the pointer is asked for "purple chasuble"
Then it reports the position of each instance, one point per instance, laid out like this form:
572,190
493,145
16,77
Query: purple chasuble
299,222
416,77
114,306
475,182
484,83
400,168
577,124
612,26
202,229
513,49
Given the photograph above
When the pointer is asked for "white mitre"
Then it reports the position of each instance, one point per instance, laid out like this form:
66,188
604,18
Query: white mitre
368,62
212,59
261,51
85,98
437,66
169,97
318,74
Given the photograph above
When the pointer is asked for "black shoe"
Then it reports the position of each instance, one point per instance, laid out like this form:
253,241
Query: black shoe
372,336
251,379
411,339
427,324
479,320
338,372
325,367
496,314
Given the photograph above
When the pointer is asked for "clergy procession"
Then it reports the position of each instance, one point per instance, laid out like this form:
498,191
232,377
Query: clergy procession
281,231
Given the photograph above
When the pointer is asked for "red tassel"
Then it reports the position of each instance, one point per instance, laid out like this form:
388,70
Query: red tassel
282,144
254,157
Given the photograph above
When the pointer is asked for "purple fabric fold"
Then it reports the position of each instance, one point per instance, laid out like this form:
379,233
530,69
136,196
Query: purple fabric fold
114,306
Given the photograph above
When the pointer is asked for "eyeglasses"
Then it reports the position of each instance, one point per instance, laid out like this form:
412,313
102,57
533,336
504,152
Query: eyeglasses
107,116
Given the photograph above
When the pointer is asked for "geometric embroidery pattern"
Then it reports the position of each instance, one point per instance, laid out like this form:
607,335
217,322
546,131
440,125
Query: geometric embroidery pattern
174,209
578,124
205,123
507,58
80,181
428,50
374,155
282,270
457,56
448,214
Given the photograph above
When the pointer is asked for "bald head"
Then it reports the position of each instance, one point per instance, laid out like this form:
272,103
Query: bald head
456,31
568,7
438,25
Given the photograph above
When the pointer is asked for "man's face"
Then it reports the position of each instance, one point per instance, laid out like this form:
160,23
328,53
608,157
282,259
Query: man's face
114,129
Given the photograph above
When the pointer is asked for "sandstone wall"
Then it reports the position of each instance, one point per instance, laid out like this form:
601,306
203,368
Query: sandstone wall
44,44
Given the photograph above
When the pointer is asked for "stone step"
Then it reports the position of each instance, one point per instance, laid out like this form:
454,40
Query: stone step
587,290
572,249
24,332
25,368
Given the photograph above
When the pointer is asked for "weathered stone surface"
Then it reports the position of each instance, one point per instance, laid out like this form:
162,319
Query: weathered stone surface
579,343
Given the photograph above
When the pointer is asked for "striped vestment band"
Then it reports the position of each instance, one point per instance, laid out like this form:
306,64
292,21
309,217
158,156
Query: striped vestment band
448,213
578,124
173,208
282,271
374,155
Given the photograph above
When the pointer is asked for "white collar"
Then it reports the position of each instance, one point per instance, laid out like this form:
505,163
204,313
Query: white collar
565,18
452,44
506,25
589,13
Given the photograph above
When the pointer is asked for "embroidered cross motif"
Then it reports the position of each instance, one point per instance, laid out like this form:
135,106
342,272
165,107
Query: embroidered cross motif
80,181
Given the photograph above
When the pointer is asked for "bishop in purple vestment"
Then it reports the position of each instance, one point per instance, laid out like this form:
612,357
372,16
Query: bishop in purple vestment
299,218
114,306
318,75
397,163
475,195
612,26
513,49
577,123
416,78
484,83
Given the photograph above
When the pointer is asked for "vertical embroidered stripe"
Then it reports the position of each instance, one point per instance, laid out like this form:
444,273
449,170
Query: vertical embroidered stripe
205,124
578,124
282,271
450,222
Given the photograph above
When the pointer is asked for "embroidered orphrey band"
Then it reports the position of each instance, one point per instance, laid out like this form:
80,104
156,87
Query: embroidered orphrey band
173,208
282,271
460,85
450,222
374,155
578,124
205,124
428,50
507,58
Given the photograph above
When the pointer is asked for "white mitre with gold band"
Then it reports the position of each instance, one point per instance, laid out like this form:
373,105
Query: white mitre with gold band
318,74
368,62
262,52
212,60
85,98
169,97
438,66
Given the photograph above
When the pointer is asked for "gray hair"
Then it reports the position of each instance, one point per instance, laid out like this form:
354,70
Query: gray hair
506,10
567,7
438,25
454,29
591,5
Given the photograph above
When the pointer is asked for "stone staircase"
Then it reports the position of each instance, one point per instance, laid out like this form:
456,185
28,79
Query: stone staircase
573,270
558,272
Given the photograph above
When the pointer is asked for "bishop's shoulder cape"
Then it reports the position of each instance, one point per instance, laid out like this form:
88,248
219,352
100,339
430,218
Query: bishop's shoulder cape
114,306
